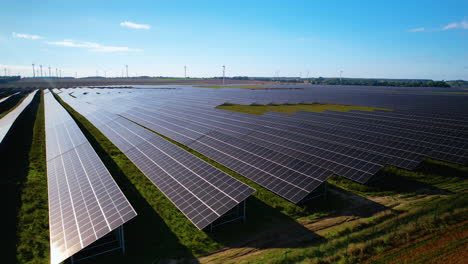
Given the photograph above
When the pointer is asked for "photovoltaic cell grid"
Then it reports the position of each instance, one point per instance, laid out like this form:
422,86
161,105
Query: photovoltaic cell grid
85,203
200,191
7,121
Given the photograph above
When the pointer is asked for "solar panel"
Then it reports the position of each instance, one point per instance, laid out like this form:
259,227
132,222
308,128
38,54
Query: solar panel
7,121
6,97
85,203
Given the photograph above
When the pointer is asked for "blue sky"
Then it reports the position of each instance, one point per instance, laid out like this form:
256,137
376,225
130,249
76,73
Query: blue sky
375,39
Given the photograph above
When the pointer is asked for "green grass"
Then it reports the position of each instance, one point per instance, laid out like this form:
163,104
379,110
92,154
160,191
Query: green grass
260,109
33,225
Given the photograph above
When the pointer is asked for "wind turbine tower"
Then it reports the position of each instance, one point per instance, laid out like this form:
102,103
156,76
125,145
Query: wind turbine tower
41,69
224,73
185,71
341,72
126,68
56,72
50,75
34,71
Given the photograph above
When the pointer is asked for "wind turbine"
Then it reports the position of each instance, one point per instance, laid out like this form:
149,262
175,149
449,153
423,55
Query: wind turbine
126,67
34,71
41,69
50,75
224,72
340,75
56,72
185,71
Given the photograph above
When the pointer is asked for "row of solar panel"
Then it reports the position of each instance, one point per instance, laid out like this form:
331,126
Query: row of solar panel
7,121
85,203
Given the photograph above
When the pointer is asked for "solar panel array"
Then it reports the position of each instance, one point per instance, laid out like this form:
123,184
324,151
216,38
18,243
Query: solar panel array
85,203
7,121
200,191
292,154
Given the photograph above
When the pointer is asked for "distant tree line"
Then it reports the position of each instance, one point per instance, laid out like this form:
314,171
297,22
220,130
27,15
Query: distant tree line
351,81
458,83
6,79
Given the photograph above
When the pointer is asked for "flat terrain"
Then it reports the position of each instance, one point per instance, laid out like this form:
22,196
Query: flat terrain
399,218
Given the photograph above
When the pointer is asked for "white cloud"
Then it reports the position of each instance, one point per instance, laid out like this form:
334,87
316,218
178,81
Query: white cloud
300,39
420,29
462,25
25,36
91,46
134,25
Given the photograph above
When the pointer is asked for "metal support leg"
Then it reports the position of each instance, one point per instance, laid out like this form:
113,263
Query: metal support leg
122,239
245,212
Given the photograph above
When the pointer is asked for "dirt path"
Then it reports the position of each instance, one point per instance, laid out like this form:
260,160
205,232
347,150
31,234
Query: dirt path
308,232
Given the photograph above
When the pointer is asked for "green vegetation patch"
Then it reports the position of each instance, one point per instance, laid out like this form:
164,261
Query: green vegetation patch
233,86
260,109
33,218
